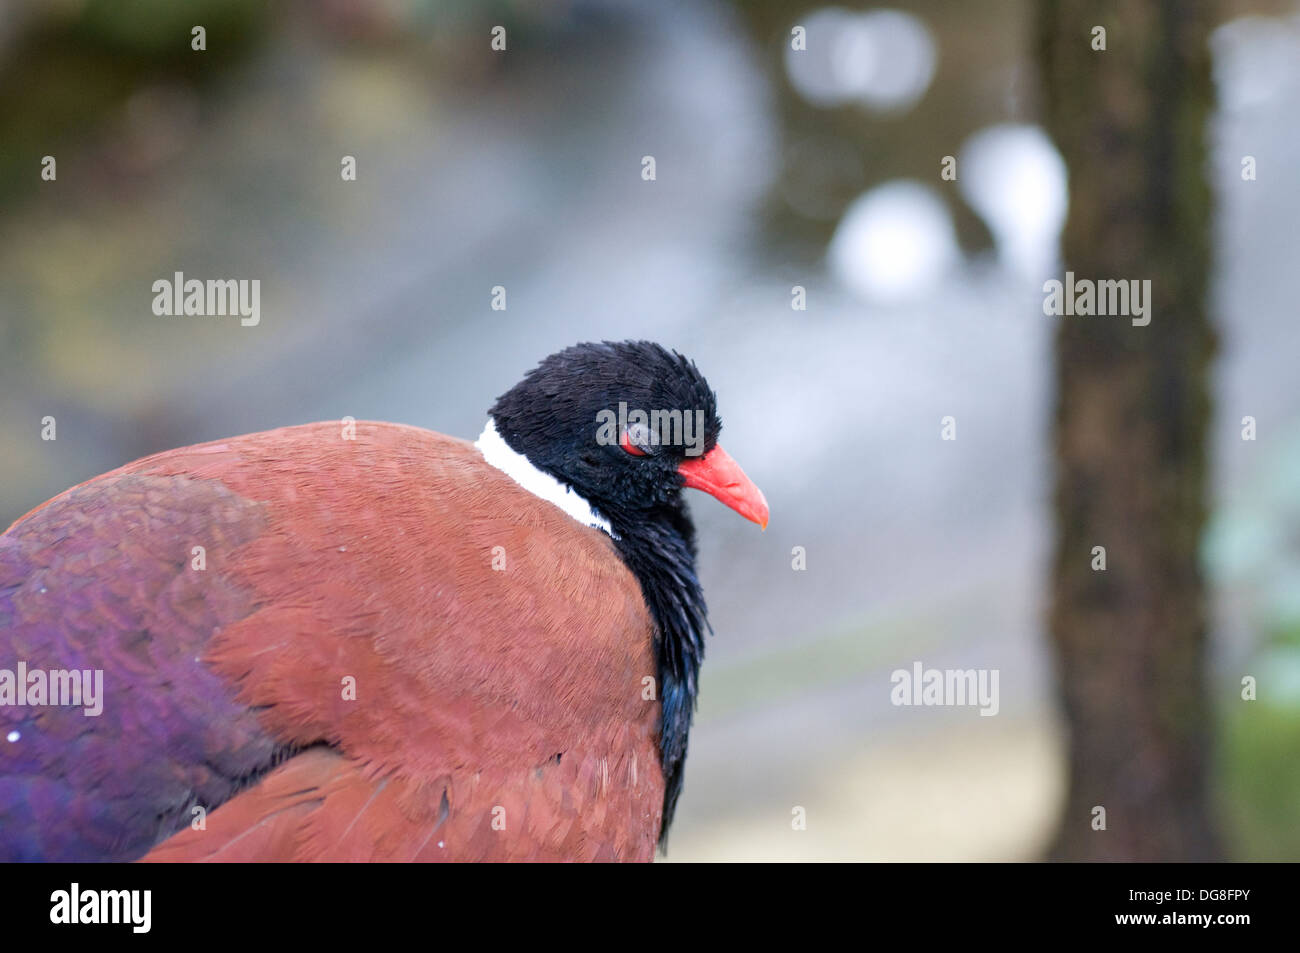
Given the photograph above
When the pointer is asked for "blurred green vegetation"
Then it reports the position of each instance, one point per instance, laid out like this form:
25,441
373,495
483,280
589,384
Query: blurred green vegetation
1260,756
76,63
1253,553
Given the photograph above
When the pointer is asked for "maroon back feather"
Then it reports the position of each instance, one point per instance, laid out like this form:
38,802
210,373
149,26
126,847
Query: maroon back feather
498,713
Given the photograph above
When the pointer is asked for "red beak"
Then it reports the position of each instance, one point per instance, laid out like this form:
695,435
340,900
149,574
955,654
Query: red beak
721,477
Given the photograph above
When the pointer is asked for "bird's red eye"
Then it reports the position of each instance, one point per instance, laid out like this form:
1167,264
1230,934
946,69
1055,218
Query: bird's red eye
626,443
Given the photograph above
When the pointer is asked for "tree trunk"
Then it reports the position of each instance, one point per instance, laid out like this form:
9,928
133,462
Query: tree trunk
1132,412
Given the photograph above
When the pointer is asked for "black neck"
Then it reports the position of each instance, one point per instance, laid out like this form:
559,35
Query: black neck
657,543
660,551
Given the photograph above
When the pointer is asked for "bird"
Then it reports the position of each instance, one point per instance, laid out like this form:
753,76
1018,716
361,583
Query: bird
367,641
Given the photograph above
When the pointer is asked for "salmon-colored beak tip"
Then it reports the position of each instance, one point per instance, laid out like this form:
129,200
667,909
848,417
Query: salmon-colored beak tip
721,477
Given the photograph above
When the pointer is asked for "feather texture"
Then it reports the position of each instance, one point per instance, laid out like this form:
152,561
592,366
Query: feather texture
499,713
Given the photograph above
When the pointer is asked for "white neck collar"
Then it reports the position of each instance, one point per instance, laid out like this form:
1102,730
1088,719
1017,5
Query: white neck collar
515,465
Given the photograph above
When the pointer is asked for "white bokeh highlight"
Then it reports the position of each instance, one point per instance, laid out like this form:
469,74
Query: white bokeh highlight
883,59
894,243
1015,179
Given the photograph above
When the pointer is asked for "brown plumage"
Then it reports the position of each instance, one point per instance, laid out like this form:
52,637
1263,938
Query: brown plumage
391,651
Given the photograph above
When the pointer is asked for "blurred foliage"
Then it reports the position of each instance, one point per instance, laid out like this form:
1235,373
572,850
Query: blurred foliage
1260,772
149,29
1253,552
75,63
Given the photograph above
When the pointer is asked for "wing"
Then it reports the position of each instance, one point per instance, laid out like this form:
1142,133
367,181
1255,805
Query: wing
324,648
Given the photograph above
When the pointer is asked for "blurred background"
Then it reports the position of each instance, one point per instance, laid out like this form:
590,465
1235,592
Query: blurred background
786,172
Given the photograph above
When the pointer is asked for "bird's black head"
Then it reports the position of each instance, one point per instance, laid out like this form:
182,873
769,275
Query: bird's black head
615,421
627,425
